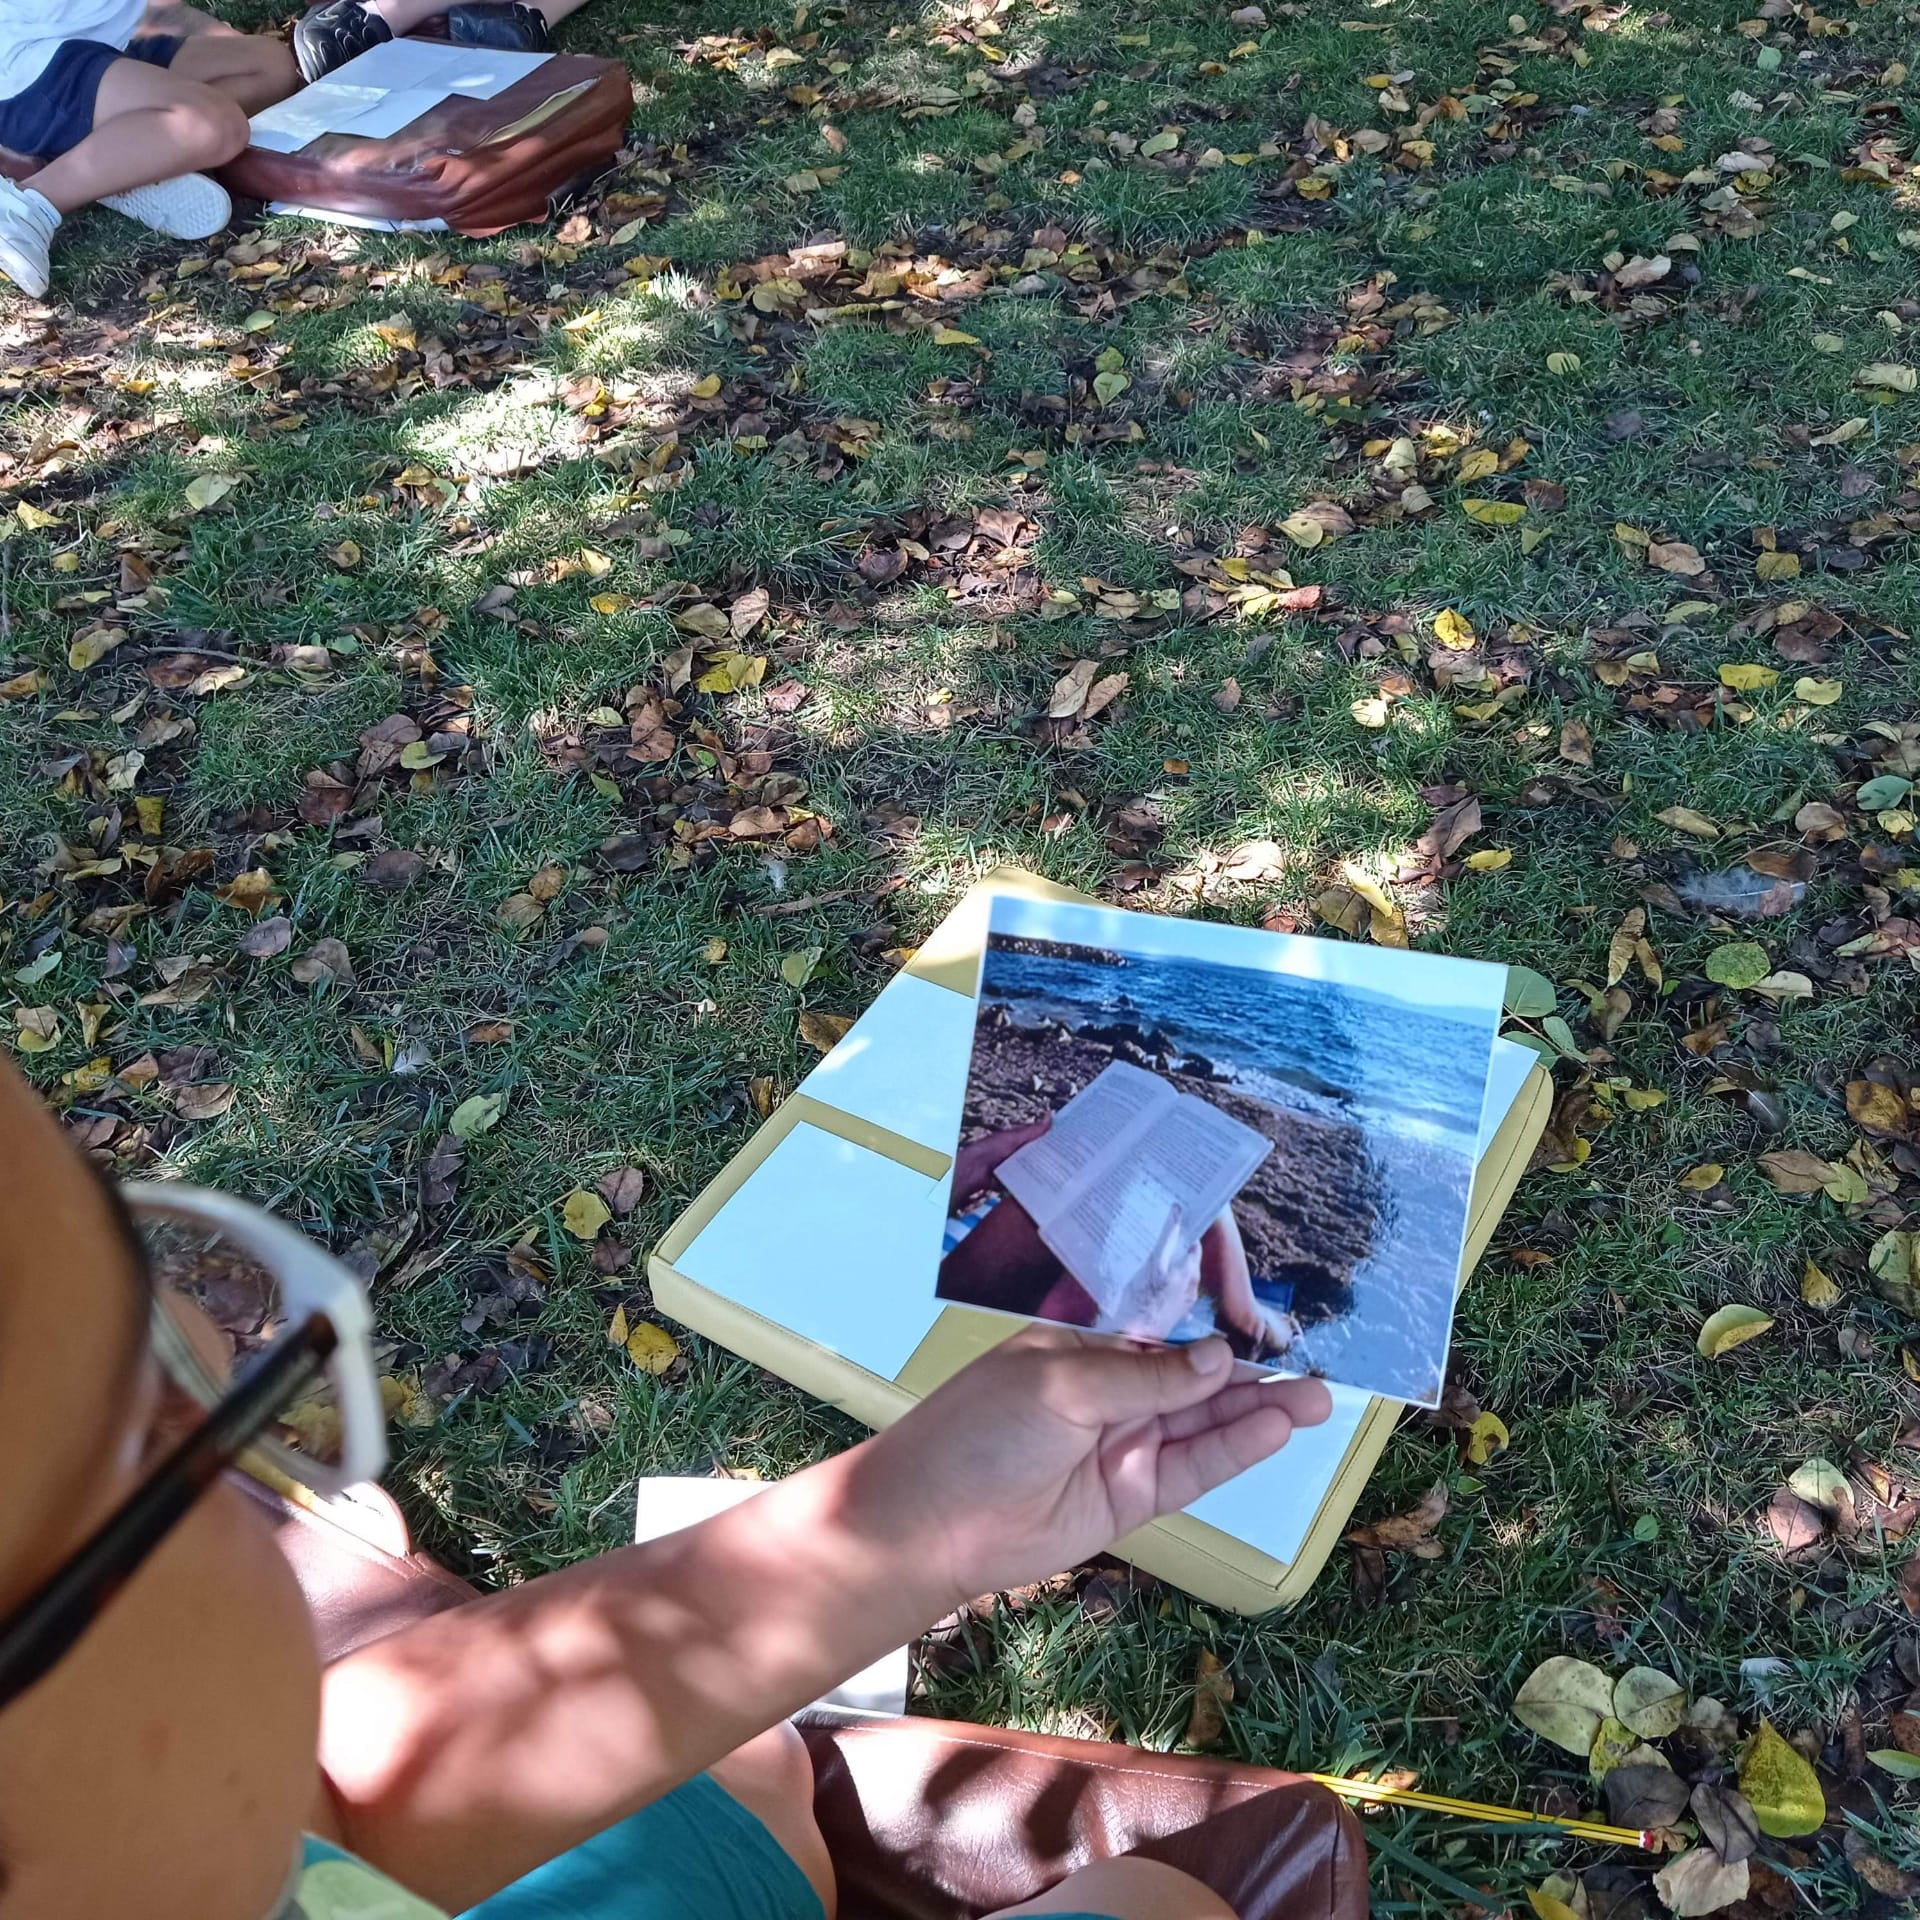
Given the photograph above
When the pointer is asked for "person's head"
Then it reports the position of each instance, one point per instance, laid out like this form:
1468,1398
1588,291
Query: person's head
166,1765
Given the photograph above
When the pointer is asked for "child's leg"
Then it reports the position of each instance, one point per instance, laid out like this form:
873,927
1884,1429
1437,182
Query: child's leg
252,68
149,124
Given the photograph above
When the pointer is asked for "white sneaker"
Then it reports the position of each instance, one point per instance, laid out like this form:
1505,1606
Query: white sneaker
28,222
187,207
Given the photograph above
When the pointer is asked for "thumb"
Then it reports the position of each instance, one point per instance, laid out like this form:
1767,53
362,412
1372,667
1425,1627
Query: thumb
1101,1386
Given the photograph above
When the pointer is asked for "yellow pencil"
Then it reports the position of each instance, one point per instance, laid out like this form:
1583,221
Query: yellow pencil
1371,1793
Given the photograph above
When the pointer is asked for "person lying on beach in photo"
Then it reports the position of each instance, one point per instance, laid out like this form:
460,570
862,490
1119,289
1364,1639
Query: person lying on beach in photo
123,103
1003,1264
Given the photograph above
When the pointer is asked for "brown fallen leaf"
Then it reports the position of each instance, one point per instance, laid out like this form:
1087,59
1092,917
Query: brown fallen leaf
1576,744
1794,1170
623,1189
1409,1532
824,1031
326,960
1212,1694
394,869
1797,1525
1675,556
265,938
1728,1823
205,1100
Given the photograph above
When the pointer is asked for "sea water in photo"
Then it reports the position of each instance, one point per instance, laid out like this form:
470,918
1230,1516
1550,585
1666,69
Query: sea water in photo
1411,1076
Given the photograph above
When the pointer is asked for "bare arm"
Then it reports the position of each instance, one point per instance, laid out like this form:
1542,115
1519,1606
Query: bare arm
470,1748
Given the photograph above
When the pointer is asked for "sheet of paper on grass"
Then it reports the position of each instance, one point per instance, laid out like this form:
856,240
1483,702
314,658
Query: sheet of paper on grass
1361,1071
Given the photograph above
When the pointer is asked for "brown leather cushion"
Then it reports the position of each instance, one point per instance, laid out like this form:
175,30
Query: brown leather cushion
479,165
933,1819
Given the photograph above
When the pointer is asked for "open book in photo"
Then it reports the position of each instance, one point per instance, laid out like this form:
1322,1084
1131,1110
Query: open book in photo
1174,1128
1124,1183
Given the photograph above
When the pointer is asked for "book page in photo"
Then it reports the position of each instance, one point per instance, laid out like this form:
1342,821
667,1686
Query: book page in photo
1103,1119
1193,1157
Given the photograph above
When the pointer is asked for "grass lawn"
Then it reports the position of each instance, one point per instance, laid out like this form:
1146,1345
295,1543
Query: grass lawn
1414,402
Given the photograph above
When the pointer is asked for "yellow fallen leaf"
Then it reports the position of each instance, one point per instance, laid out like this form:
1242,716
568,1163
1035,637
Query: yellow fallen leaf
1817,692
1892,376
36,519
1782,1788
1729,1328
1490,859
1487,1436
1643,1099
1369,713
584,1213
1494,513
652,1349
1748,676
610,603
209,489
1688,820
1561,365
1698,1179
953,337
1475,465
1546,1907
346,555
1453,629
705,387
1777,566
1818,1288
93,646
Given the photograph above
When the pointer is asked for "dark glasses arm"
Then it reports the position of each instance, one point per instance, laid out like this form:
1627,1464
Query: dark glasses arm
45,1626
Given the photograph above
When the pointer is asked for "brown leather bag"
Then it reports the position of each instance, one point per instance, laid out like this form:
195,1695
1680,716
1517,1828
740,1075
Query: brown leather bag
933,1819
479,165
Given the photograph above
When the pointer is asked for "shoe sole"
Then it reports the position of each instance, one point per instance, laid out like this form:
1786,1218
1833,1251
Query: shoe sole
188,207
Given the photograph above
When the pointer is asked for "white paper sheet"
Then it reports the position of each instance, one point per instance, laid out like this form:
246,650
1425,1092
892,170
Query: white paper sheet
303,117
392,111
833,1241
438,67
903,1064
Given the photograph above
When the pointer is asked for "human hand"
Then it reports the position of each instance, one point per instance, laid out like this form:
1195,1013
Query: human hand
1055,1444
977,1162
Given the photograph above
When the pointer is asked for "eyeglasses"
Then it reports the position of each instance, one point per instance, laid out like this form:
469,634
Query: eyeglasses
270,1336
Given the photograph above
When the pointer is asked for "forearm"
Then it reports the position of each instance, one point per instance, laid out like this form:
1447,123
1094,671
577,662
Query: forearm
469,1748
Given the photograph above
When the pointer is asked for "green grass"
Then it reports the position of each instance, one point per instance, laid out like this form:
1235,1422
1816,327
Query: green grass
624,423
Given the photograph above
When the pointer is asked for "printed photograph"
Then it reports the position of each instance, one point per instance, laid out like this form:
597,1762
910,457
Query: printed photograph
1174,1128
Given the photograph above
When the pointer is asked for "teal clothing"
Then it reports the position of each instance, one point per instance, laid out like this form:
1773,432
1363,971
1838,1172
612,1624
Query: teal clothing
698,1854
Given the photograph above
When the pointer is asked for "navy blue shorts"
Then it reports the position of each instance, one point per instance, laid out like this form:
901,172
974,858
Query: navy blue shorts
56,113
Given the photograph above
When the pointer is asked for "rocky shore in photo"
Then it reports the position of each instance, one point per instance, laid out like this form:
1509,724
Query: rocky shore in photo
1307,1215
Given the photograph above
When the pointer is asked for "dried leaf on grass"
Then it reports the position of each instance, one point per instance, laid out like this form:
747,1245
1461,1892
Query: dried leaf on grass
1212,1695
1700,1882
1566,1701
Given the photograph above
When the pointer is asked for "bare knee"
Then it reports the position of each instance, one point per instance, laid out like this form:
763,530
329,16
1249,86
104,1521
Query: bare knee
1128,1889
211,129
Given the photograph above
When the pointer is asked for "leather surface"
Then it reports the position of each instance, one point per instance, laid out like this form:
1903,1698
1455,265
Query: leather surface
479,165
933,1819
936,1820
